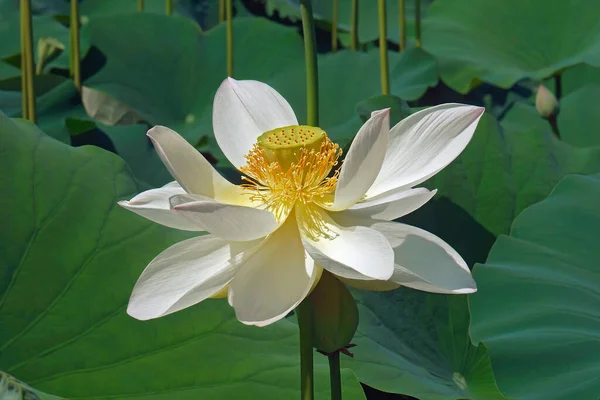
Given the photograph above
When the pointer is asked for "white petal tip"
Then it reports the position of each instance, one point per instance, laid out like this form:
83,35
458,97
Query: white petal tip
384,111
132,312
478,110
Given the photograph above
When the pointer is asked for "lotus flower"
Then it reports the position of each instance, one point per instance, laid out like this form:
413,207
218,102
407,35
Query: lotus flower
300,209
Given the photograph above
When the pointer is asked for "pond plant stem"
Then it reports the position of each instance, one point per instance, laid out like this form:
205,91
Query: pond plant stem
418,22
140,5
221,11
383,50
334,23
229,16
354,26
335,378
558,86
402,24
310,54
27,62
75,45
169,7
305,325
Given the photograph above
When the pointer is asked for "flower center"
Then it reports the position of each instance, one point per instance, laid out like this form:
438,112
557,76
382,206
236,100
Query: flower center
290,167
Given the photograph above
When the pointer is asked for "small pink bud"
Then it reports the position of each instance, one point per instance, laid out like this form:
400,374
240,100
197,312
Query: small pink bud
546,103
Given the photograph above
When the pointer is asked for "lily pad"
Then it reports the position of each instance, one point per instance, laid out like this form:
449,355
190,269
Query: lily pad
502,42
536,308
64,239
13,389
507,168
418,344
579,120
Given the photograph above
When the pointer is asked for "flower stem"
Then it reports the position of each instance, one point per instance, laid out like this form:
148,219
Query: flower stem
305,324
75,46
140,5
169,7
554,125
229,12
558,86
27,62
334,376
310,54
418,22
383,51
221,11
334,23
402,24
354,26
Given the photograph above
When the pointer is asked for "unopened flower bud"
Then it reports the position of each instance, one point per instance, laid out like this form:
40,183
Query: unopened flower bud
335,315
546,103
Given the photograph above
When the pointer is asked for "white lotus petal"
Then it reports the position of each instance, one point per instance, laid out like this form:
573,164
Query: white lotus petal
227,221
185,274
422,260
274,280
242,111
352,252
423,144
392,205
363,161
193,172
154,205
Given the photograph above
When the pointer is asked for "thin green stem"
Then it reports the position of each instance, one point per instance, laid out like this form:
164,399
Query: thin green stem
335,378
27,59
221,11
24,104
354,26
305,325
169,7
402,24
554,125
334,23
310,54
383,50
140,5
229,12
418,22
558,86
75,46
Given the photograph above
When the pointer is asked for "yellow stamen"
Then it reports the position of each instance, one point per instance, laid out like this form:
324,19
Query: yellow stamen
304,184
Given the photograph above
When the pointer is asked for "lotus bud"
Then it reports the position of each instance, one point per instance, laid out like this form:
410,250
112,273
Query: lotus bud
335,315
546,103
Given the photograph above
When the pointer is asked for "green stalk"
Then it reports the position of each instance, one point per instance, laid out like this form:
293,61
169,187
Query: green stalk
310,54
418,22
221,11
229,12
334,24
335,378
558,86
169,7
27,60
140,5
75,46
305,325
383,51
354,26
402,25
24,103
